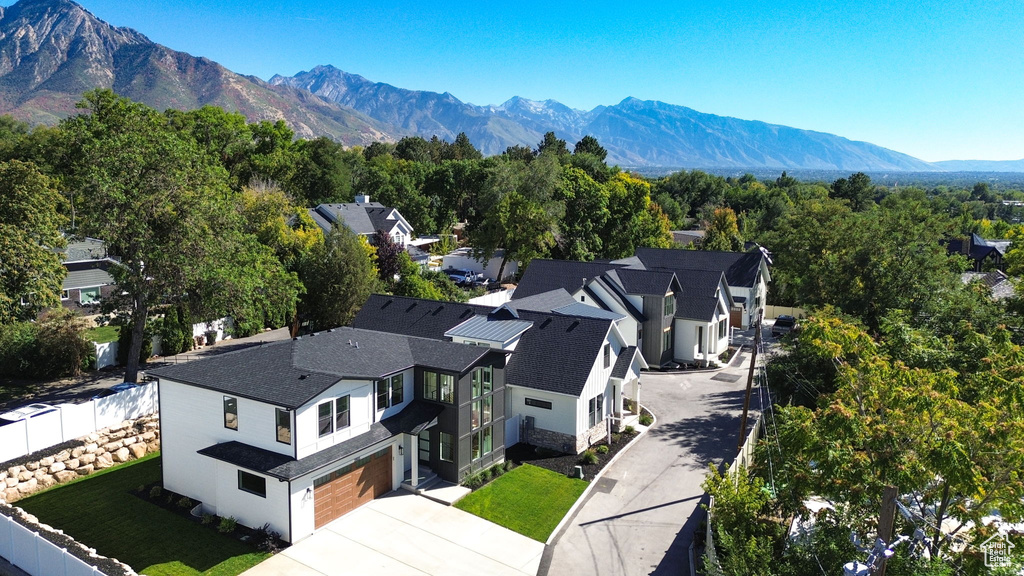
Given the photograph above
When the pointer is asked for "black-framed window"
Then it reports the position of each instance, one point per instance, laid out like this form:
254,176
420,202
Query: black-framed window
607,355
231,412
596,409
284,426
482,441
482,381
430,387
252,483
325,422
537,403
382,394
700,339
341,413
397,389
447,388
480,413
721,329
666,339
670,304
447,446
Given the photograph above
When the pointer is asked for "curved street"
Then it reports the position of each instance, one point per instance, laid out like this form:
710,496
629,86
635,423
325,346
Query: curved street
640,517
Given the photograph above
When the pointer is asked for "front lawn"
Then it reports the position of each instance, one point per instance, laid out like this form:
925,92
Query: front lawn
103,334
528,500
100,511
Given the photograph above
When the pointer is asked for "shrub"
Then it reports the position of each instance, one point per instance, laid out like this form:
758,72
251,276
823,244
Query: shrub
588,457
602,449
17,348
646,419
208,519
508,465
155,492
629,430
267,540
52,347
227,525
185,502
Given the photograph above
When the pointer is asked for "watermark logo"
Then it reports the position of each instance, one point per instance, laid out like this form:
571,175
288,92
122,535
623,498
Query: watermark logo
997,550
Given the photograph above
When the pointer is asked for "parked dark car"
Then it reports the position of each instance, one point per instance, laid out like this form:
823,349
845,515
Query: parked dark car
783,325
114,390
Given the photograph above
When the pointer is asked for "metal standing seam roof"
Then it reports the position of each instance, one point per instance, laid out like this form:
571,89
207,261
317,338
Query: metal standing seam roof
485,328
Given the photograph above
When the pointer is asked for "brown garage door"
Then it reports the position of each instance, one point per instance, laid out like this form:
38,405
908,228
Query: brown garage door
348,488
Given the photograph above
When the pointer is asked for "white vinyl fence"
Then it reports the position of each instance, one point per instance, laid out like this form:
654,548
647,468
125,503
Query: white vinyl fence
772,312
494,298
36,555
72,421
106,353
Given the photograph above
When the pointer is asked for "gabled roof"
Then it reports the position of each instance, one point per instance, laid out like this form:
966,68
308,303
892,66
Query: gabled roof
615,293
543,302
623,362
410,420
362,217
546,275
643,282
557,353
586,311
489,328
698,297
291,373
414,316
740,268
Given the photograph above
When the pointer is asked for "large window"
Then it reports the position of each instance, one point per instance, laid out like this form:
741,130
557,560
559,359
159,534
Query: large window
700,339
481,411
596,410
666,339
397,389
89,295
341,413
382,394
481,442
447,443
252,483
721,329
231,412
670,304
607,355
430,385
482,381
439,387
325,424
284,426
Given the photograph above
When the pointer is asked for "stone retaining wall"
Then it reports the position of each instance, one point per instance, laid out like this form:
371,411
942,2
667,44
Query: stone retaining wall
104,448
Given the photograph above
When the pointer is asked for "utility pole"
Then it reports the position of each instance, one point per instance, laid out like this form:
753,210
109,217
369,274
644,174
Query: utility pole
886,516
750,384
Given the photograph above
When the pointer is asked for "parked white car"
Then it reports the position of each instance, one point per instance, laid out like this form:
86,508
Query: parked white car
27,412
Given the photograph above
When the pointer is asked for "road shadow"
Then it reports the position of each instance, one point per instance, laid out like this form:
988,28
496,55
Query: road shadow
712,437
677,558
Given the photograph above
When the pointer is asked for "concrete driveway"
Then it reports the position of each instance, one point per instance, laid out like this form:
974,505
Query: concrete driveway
402,533
641,515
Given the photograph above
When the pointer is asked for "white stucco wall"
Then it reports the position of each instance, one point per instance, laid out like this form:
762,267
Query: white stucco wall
250,509
560,418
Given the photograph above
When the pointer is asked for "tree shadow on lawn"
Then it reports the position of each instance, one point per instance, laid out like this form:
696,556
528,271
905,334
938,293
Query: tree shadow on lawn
712,437
101,512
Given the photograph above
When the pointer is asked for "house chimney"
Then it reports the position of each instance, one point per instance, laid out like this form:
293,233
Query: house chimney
362,198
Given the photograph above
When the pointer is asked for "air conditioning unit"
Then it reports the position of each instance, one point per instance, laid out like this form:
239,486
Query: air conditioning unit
529,423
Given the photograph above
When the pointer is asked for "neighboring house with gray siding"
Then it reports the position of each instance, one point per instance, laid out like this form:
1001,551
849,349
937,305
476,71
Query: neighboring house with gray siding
88,280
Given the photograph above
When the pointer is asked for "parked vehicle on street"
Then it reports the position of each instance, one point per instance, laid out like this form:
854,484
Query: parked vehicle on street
114,390
783,325
464,277
26,412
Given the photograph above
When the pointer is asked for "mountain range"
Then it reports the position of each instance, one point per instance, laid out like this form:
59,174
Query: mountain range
51,51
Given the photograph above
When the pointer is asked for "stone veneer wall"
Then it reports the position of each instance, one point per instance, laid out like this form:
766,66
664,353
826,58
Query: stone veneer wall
567,442
104,448
591,436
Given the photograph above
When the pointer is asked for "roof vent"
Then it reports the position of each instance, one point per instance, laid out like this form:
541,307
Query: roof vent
297,338
349,341
330,329
303,376
357,344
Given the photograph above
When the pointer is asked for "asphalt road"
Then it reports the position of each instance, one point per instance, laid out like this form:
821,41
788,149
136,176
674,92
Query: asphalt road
640,518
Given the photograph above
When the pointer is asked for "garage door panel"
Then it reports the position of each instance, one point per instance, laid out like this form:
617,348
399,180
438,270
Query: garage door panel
348,491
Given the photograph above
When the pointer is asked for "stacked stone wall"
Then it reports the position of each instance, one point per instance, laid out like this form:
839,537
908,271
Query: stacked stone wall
129,440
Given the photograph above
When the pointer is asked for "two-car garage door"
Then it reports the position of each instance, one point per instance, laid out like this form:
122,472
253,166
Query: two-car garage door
348,488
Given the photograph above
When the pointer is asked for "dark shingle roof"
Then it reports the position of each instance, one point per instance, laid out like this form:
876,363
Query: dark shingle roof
291,373
557,353
414,316
361,218
409,421
697,298
740,268
614,290
643,282
546,275
543,302
622,363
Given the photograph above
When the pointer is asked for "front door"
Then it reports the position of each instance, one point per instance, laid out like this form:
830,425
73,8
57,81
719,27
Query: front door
424,441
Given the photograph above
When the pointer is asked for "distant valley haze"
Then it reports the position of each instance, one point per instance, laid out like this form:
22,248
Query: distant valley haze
856,86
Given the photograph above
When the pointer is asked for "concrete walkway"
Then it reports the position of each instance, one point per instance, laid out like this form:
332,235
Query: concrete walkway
401,534
641,517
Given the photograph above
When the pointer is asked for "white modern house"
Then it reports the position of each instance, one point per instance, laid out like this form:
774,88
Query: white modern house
364,218
298,433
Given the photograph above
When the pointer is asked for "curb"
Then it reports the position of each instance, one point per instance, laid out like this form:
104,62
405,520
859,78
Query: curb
593,482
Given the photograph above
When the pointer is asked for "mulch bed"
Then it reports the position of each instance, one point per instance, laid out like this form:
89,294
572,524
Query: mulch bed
565,463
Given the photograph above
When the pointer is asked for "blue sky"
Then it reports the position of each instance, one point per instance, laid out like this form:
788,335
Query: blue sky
935,79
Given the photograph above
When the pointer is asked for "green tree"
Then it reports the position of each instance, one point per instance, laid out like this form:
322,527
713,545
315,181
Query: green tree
589,145
552,144
338,277
389,256
634,220
858,191
585,216
30,224
323,172
722,232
